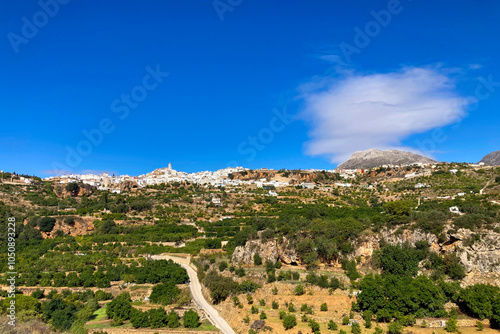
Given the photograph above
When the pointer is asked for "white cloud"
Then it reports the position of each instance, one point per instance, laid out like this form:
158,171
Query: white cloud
359,112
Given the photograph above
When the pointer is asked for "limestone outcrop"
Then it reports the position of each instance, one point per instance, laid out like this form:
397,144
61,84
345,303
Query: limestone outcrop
269,251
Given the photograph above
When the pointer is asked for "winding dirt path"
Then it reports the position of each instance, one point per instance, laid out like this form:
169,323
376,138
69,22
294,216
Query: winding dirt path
195,287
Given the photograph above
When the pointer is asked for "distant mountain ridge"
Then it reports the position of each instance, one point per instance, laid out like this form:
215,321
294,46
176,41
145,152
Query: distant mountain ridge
376,158
492,159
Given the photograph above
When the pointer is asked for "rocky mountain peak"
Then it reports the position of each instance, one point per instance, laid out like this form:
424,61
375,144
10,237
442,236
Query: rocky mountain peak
374,158
492,159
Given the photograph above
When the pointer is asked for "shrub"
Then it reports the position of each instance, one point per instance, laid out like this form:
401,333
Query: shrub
334,283
332,325
291,307
350,269
453,268
355,328
275,305
395,328
240,272
72,187
323,307
367,316
289,321
254,309
257,260
299,290
451,325
222,266
314,326
263,316
46,224
37,294
479,326
220,287
345,321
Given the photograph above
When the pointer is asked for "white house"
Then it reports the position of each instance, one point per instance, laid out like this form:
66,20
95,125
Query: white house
216,201
308,185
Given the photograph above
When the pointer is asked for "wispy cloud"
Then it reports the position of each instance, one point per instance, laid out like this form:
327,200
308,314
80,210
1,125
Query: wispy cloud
358,112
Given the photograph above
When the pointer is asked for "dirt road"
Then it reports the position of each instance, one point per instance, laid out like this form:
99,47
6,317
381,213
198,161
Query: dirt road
195,287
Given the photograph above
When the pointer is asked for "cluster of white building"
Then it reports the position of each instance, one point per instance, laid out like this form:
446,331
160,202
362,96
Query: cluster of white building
167,175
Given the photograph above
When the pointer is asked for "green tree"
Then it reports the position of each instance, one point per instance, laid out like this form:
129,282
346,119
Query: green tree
139,319
399,208
120,307
477,300
495,310
399,260
191,319
165,294
173,320
158,317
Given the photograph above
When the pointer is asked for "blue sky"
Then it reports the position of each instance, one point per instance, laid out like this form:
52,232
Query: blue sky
295,84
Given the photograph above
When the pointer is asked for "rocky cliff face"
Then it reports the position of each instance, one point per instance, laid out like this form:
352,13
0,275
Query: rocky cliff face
82,189
482,256
292,177
75,226
480,259
492,159
375,158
